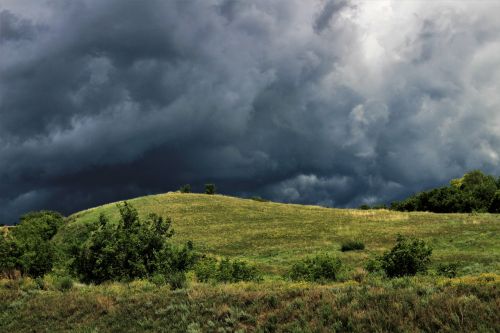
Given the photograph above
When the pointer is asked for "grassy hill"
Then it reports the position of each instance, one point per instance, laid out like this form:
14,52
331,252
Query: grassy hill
274,235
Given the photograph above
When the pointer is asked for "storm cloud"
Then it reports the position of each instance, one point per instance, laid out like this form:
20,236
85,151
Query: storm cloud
336,103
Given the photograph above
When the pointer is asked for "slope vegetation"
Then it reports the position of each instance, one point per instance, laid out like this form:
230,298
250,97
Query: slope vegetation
274,235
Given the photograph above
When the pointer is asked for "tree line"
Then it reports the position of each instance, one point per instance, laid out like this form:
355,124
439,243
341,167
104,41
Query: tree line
474,192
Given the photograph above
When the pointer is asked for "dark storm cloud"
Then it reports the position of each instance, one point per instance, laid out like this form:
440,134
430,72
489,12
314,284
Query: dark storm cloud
13,28
327,102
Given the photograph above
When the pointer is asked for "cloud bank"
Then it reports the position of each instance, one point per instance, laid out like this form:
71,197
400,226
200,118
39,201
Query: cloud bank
336,103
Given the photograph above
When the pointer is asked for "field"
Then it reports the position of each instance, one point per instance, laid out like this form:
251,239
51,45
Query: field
273,236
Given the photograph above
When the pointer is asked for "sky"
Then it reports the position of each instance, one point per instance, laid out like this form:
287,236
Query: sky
336,103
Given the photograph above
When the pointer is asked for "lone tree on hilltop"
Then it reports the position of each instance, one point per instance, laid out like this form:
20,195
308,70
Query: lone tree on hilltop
185,188
210,189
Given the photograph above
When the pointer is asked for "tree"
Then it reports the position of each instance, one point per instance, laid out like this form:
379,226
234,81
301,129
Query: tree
32,236
185,188
408,257
495,203
472,192
210,189
480,188
9,254
132,248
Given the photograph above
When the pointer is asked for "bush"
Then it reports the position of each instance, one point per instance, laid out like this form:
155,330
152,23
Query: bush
374,265
185,188
28,247
208,269
448,270
259,199
352,246
158,280
177,280
63,283
210,189
40,282
320,268
130,249
235,271
9,255
408,257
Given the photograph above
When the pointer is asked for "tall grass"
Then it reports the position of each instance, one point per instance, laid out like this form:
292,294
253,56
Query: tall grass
405,304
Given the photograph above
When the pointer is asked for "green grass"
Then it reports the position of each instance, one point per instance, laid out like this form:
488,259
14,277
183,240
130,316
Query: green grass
274,235
419,304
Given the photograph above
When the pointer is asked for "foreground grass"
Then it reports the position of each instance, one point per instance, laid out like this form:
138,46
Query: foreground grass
467,304
274,235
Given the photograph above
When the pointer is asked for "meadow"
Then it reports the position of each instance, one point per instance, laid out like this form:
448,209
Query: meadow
273,237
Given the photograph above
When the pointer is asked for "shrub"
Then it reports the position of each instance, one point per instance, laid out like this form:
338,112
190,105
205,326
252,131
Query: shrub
40,282
235,271
448,270
9,255
130,249
408,257
320,268
185,188
259,199
63,283
28,247
210,189
208,269
352,246
364,207
177,280
158,280
373,265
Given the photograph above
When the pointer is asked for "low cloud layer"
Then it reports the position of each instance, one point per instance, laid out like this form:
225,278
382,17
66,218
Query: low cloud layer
336,103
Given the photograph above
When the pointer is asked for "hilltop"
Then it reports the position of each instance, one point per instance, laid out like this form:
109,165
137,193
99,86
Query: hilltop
273,235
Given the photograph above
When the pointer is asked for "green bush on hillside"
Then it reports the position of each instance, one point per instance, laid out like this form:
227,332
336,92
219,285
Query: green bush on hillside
320,268
63,283
408,257
447,269
352,246
9,254
28,247
210,189
209,269
259,199
185,188
130,249
374,265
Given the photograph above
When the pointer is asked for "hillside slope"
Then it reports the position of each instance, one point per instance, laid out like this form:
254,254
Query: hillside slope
273,235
